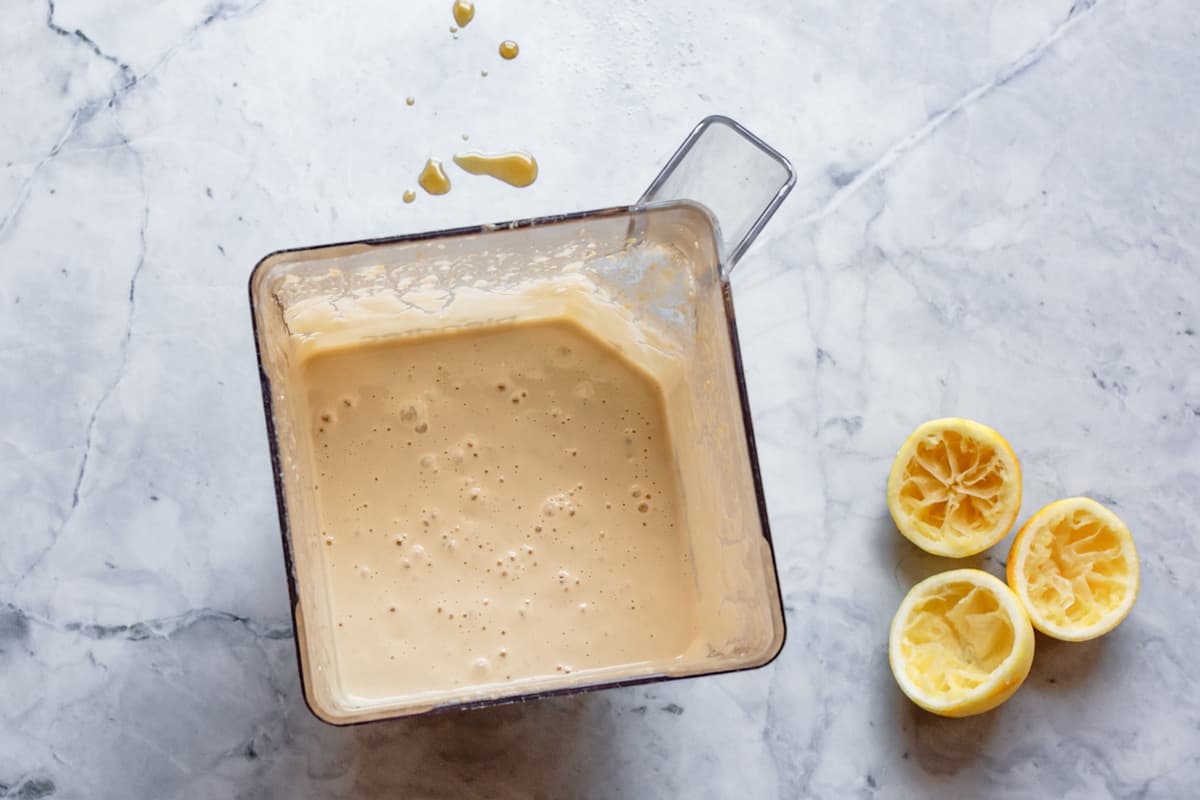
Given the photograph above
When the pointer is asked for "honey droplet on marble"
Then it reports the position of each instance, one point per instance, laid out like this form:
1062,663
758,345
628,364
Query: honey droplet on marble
464,12
409,195
515,169
509,49
410,100
433,178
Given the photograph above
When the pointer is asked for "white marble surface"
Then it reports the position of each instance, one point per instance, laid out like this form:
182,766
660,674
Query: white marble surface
996,217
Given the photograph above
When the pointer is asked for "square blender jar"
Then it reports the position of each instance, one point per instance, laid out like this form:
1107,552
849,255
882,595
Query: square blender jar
651,281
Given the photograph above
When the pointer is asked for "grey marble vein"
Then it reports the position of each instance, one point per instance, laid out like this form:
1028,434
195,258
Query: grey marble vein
995,218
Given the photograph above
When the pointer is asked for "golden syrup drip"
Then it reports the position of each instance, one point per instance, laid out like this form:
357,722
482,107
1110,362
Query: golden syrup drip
409,195
509,49
433,178
410,100
515,169
464,12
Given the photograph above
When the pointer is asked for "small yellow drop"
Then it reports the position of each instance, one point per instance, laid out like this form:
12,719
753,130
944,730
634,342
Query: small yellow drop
509,49
433,178
409,195
410,100
515,169
464,12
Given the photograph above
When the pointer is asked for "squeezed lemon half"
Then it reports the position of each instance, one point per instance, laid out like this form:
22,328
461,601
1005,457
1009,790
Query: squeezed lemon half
955,487
960,643
1074,566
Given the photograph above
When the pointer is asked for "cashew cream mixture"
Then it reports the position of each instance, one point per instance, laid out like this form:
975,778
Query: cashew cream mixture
495,504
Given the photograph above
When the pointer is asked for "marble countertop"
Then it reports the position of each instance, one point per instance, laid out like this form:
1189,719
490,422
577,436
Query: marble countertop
996,217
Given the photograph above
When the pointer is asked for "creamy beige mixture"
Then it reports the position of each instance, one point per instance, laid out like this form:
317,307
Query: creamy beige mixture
496,505
385,366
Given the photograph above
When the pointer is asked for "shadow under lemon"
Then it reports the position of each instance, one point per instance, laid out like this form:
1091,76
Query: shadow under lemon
1062,669
908,564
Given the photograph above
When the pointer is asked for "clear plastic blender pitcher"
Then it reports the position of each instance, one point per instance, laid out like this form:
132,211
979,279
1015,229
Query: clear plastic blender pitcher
660,267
